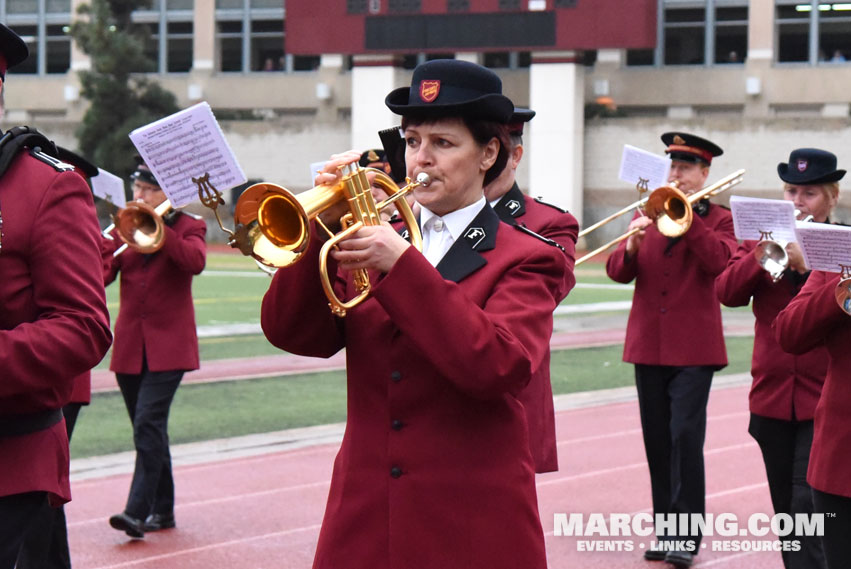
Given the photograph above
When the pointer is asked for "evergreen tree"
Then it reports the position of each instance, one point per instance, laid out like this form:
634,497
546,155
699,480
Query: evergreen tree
122,99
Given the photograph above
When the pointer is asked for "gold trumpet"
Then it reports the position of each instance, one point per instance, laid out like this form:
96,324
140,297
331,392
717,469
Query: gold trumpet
273,224
670,209
140,226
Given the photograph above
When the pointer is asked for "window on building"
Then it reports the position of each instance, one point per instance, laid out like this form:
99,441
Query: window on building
835,33
697,32
684,36
168,45
796,19
44,26
251,36
793,33
731,34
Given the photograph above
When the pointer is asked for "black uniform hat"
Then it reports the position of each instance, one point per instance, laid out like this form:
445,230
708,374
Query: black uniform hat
374,158
690,148
519,117
143,173
80,164
452,87
13,50
810,166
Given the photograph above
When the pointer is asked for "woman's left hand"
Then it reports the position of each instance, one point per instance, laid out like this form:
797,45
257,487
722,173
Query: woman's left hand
376,247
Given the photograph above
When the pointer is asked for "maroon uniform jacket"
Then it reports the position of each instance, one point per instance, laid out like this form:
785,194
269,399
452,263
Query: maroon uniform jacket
551,222
675,318
54,325
156,317
785,386
435,469
812,319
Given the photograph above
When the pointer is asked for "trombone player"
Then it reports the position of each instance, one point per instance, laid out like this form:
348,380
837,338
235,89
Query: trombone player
786,387
674,337
155,343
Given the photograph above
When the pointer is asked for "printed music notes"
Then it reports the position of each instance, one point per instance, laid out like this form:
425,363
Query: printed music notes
646,170
754,217
826,247
187,145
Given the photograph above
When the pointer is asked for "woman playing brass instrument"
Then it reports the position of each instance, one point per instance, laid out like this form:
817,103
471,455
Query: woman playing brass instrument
435,469
786,387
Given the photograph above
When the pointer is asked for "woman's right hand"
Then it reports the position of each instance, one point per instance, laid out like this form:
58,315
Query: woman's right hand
330,175
796,258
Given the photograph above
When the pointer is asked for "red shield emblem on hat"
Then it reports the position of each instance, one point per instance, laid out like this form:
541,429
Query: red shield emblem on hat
429,90
802,165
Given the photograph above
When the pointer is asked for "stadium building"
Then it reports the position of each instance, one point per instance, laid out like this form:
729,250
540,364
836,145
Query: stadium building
292,83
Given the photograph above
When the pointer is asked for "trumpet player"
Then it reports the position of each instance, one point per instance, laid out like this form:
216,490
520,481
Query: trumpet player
436,454
674,337
786,387
155,343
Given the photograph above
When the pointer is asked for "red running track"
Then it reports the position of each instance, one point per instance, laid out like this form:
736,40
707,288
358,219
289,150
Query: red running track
264,511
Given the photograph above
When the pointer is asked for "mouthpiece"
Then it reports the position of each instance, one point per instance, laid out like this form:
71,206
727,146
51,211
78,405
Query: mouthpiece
423,179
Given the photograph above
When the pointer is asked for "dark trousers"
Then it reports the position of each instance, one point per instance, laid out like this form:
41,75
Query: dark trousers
785,447
672,402
18,512
837,529
148,398
46,544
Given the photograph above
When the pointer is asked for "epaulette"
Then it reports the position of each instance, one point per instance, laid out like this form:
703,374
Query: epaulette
192,215
40,147
542,202
538,236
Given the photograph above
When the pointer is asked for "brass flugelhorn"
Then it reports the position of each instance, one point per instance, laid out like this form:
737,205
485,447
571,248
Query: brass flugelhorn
273,224
670,209
771,253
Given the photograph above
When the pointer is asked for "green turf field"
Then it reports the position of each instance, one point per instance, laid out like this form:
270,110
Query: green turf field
230,291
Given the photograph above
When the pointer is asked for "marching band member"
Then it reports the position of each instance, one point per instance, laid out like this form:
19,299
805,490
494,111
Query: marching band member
674,337
155,343
785,387
54,324
435,469
515,208
46,544
813,318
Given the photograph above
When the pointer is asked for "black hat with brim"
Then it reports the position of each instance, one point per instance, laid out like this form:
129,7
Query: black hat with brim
690,148
810,166
143,173
13,50
451,87
519,118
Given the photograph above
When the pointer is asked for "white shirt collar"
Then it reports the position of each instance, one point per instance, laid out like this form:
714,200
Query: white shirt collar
456,221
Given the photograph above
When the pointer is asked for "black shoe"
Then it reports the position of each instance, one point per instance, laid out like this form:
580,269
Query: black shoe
133,527
680,559
156,522
655,555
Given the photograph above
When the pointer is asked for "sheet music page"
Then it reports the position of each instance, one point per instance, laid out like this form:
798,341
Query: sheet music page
110,187
644,168
186,145
825,246
753,216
